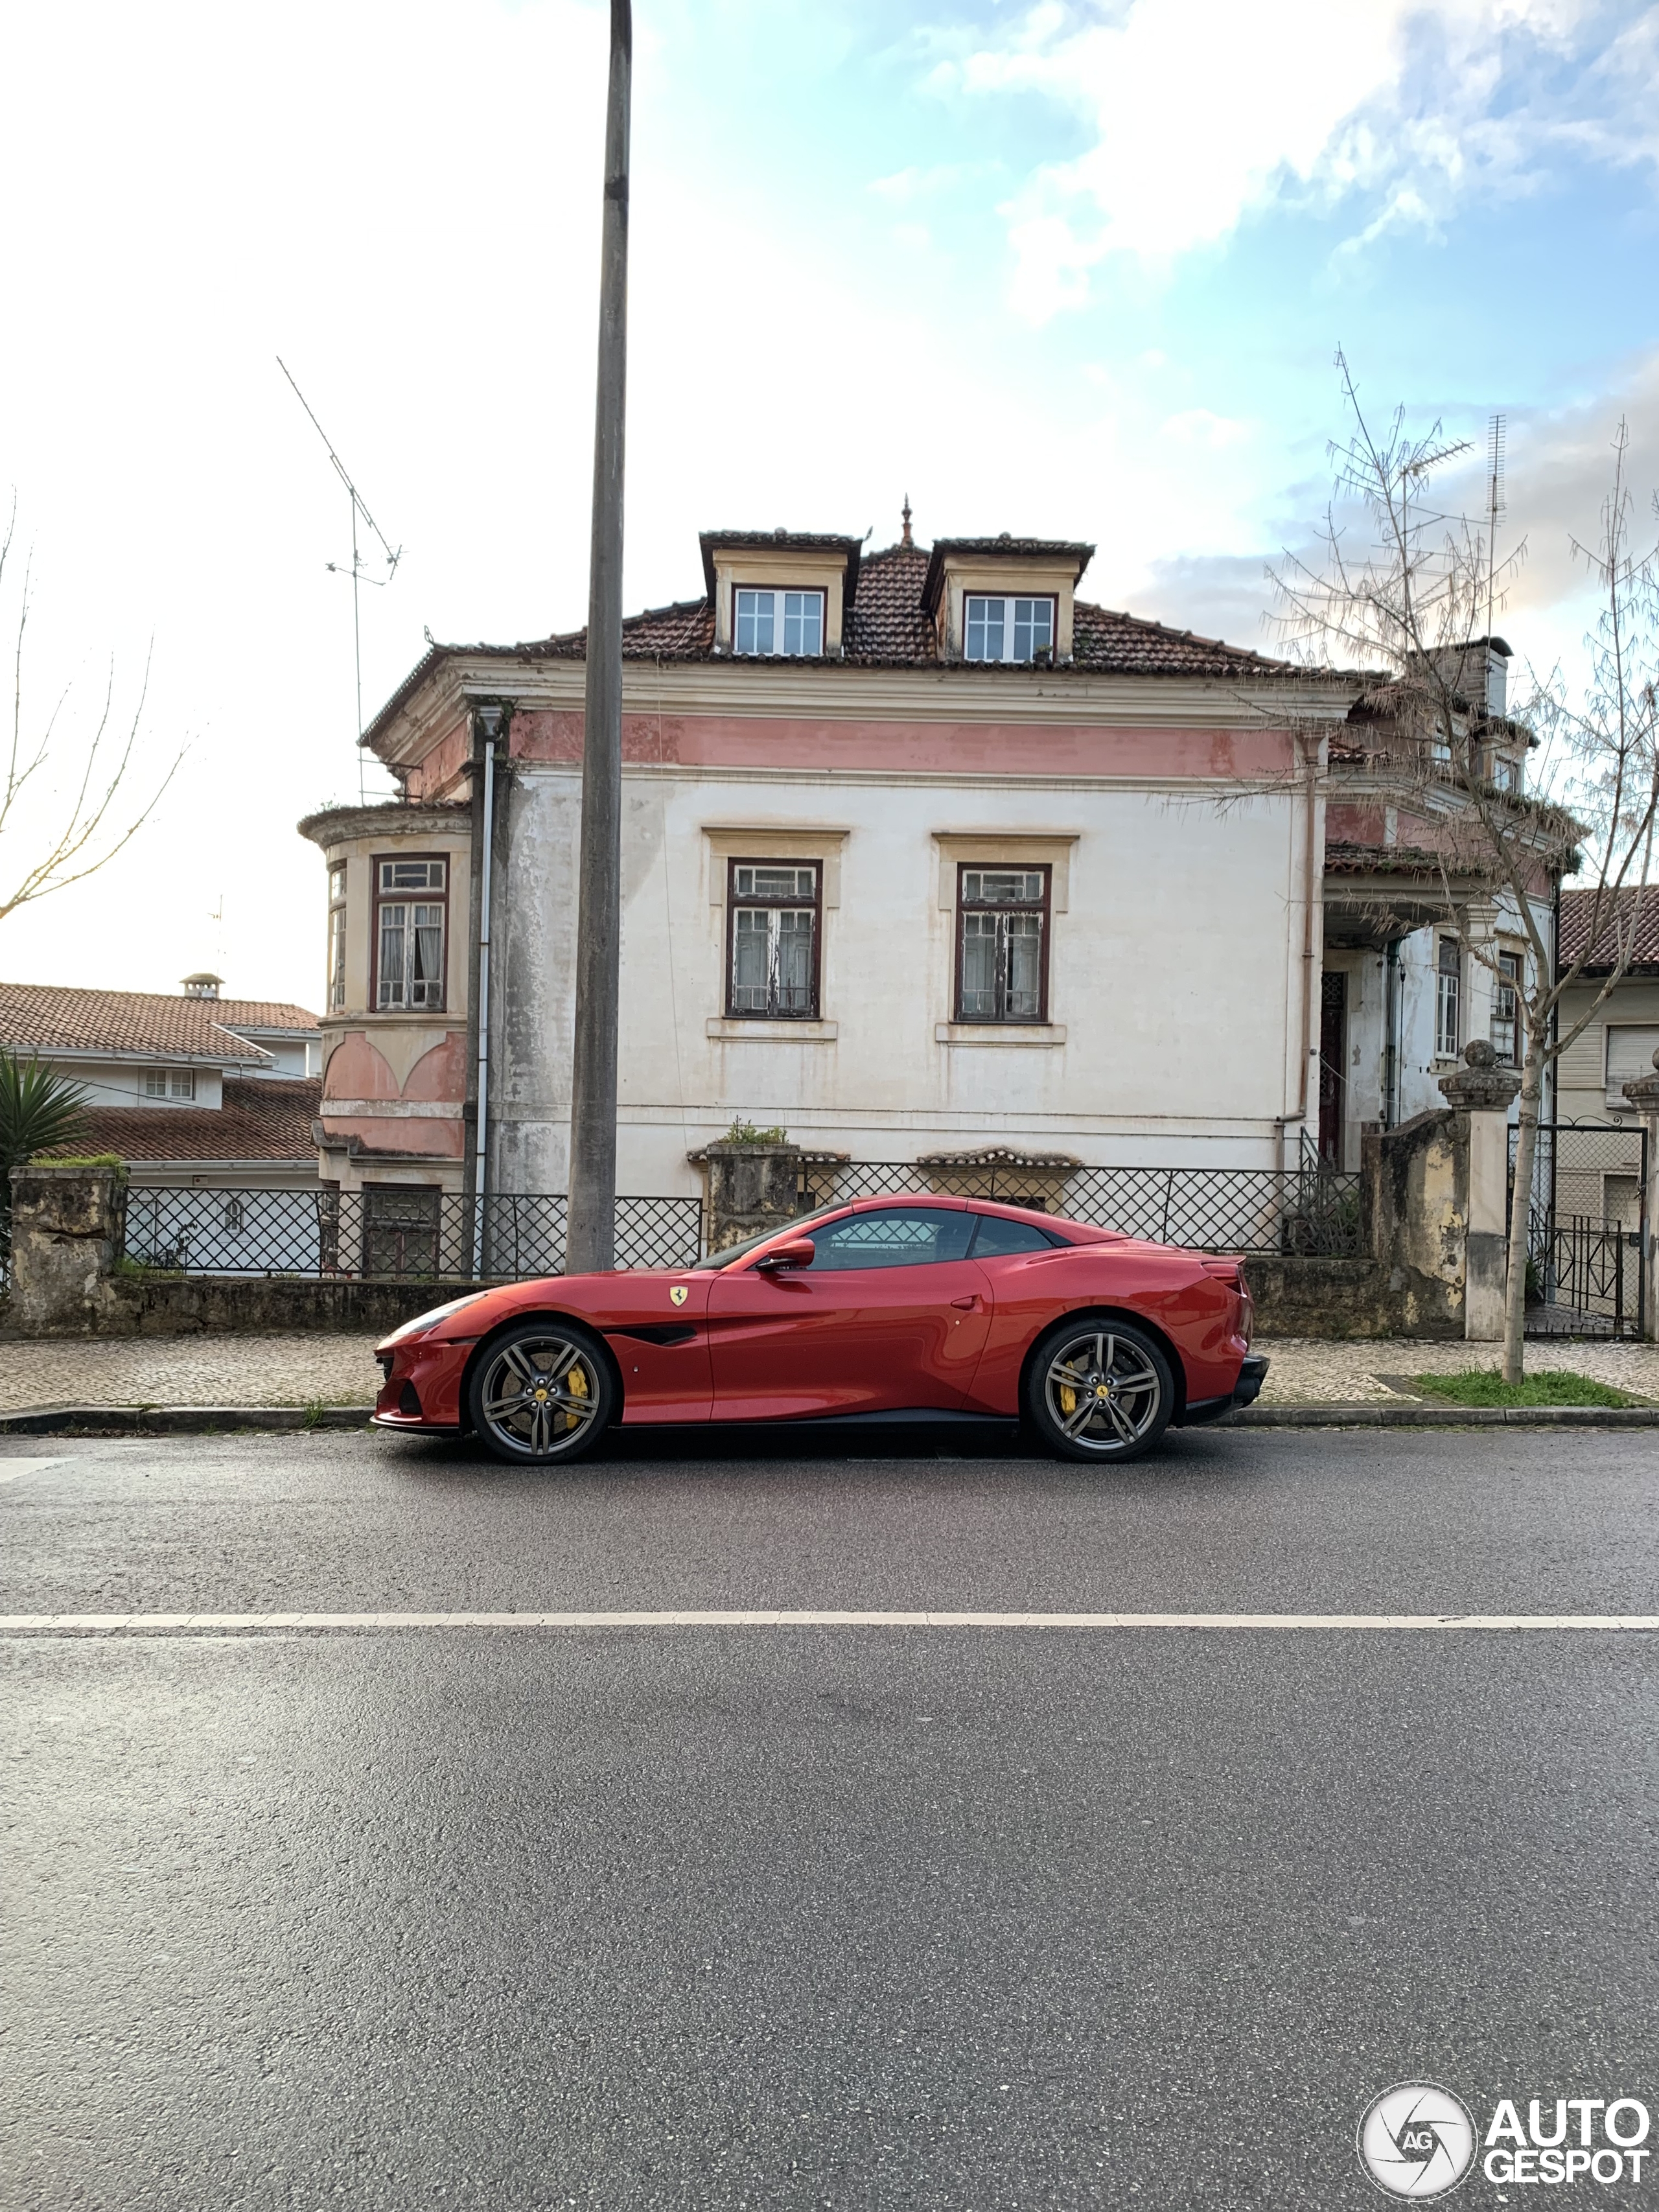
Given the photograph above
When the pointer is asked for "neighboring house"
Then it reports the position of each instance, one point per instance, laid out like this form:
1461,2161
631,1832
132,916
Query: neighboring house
1406,985
179,1087
922,852
1617,1044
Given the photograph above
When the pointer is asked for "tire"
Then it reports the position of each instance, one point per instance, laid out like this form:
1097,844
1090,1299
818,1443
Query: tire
1120,1370
564,1362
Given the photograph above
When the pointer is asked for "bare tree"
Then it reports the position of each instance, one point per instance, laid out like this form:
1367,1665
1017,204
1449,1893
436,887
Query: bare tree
84,831
1415,605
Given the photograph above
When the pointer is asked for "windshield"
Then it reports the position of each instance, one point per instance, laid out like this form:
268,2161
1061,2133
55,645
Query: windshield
723,1258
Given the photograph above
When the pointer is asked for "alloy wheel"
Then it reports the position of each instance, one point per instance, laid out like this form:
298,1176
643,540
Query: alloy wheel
540,1396
1102,1391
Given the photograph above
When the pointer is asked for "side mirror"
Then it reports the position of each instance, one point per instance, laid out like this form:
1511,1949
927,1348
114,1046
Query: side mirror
799,1252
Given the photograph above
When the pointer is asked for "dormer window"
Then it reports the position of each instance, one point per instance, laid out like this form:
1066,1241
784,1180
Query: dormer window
1011,630
775,621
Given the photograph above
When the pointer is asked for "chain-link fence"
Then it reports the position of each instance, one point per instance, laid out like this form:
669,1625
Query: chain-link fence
390,1230
1308,1209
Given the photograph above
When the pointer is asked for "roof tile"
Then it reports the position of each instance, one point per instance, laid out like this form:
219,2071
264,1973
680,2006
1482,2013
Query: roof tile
1638,906
45,1017
262,1119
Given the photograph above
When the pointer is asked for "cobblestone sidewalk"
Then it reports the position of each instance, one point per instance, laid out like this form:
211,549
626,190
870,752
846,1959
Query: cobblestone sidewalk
340,1370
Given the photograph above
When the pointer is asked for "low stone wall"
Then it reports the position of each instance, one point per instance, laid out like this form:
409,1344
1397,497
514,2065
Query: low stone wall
1338,1299
187,1305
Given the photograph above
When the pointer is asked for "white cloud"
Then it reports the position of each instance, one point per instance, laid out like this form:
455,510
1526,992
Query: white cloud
1204,111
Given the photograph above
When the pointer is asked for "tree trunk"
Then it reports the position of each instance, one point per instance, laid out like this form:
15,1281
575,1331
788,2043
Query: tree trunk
1525,1150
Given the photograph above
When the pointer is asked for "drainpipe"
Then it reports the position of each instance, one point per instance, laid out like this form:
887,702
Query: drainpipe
1309,956
491,719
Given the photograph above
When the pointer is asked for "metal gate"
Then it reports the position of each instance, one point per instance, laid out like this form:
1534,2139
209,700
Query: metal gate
1587,1229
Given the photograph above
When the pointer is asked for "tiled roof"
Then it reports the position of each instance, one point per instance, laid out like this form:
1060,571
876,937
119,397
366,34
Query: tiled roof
47,1018
780,541
887,627
260,1120
1638,903
1057,551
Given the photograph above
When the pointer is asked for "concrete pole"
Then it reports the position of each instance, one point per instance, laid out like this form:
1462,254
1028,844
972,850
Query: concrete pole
592,1198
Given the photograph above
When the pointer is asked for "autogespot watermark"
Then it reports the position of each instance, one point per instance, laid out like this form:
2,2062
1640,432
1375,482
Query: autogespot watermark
1418,2140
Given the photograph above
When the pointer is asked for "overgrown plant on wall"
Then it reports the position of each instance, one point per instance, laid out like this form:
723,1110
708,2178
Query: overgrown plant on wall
1416,604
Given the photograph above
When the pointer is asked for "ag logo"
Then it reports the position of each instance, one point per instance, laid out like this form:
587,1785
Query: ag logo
679,1294
1417,2140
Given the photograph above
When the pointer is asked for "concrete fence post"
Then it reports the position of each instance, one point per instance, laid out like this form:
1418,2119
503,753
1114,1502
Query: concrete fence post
1643,1093
65,1239
1480,1093
749,1188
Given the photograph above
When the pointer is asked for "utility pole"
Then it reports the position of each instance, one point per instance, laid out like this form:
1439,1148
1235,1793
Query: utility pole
591,1227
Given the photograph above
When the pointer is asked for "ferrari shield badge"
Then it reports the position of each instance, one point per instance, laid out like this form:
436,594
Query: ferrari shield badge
679,1294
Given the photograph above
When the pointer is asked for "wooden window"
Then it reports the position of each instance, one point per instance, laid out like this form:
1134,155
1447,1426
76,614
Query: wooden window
1008,628
1506,1008
1002,944
1448,998
337,937
410,900
778,622
773,909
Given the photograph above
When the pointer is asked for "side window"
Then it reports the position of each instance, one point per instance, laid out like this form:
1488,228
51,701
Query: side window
995,1239
898,1237
337,937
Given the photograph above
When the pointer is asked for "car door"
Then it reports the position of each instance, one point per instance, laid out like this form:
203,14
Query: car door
890,1317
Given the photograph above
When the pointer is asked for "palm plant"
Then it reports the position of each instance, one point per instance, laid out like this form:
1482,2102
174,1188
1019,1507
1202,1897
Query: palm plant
40,1112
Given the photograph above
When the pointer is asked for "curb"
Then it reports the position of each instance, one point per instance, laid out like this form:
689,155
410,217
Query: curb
175,1420
1371,1415
208,1420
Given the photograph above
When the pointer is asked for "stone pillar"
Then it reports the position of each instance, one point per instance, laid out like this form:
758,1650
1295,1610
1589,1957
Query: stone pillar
66,1225
1483,1091
1643,1094
750,1188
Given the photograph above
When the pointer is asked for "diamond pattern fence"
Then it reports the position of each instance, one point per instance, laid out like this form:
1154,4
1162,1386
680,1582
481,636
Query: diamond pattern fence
386,1229
1309,1210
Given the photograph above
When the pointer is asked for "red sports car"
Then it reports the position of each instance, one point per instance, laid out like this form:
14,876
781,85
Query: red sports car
880,1310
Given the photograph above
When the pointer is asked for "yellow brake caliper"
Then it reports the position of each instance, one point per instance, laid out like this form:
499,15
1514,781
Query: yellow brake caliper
576,1383
1067,1399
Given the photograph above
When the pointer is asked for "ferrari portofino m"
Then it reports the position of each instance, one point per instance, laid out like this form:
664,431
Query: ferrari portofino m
884,1310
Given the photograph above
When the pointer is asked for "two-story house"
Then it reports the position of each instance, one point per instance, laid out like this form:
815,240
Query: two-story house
922,852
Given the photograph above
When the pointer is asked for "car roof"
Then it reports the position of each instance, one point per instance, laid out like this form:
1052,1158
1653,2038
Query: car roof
1080,1231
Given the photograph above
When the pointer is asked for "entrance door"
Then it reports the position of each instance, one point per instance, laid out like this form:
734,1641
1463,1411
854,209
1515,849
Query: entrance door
1333,1063
889,1317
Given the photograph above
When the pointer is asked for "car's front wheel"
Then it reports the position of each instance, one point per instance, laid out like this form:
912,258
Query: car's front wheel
542,1392
1099,1389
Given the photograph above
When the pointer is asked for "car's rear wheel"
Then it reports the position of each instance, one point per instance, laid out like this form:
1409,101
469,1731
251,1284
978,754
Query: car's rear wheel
542,1392
1099,1390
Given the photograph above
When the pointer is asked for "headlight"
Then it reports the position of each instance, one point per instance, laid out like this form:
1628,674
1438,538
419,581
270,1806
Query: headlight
430,1320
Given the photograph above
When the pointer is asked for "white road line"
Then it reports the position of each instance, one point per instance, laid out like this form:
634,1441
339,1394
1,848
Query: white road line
215,1624
13,1470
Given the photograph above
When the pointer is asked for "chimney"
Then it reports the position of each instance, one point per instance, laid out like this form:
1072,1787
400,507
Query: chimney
203,986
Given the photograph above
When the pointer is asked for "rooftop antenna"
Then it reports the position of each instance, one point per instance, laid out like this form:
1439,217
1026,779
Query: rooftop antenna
356,571
1496,429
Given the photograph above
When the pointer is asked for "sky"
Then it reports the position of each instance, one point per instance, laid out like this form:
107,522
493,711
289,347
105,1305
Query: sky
1077,270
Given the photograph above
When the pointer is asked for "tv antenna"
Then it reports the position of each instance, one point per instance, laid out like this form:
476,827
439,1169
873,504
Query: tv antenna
357,573
1496,429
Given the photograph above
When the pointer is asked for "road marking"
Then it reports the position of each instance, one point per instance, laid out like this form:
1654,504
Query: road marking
218,1624
13,1470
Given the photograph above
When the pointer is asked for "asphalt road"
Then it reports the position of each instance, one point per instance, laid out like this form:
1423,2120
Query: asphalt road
802,1918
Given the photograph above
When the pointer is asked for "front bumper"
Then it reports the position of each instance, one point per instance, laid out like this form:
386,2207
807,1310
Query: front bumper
423,1384
1252,1374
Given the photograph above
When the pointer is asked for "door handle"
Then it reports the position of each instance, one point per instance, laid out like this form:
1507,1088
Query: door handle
968,1304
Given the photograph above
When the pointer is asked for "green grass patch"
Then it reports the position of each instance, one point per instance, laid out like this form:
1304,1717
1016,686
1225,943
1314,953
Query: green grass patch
1484,1386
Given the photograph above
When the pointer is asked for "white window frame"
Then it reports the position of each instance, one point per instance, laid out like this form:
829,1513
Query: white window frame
1613,1083
1009,621
410,889
335,994
1509,982
170,1083
779,613
1448,998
